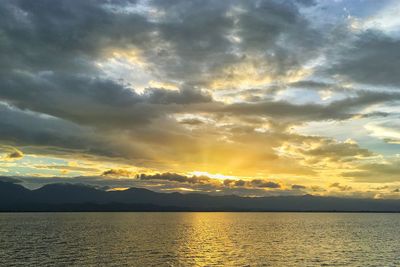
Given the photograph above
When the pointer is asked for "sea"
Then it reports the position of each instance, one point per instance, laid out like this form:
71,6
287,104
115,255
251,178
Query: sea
199,239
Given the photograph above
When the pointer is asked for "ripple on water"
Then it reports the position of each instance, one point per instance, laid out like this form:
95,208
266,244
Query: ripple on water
199,239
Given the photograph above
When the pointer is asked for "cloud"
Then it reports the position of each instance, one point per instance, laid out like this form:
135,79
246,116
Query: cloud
338,151
264,184
191,121
67,168
177,178
298,187
338,110
162,182
175,87
255,183
106,103
118,173
86,28
195,42
226,34
27,128
195,180
340,187
369,60
325,153
376,172
387,130
14,155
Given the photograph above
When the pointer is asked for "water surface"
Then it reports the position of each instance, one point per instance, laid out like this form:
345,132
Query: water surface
198,239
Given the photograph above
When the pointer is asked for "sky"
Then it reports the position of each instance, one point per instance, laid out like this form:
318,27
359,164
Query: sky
254,98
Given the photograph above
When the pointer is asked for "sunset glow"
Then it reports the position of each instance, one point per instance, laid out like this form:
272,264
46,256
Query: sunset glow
226,97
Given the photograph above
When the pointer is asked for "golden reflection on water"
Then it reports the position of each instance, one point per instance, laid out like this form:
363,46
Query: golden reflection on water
207,239
199,239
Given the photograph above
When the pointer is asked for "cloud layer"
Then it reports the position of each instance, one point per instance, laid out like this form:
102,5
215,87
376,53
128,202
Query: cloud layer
126,87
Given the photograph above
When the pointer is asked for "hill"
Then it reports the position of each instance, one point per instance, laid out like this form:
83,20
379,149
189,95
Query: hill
73,197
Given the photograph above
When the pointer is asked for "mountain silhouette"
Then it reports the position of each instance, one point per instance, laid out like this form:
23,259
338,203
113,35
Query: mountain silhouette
78,197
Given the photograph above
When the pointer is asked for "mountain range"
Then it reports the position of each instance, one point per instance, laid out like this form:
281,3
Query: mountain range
74,197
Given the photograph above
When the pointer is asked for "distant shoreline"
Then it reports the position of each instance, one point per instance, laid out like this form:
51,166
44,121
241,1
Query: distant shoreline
188,211
81,198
